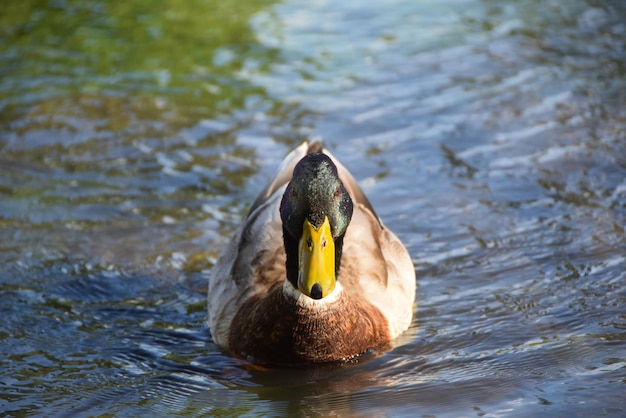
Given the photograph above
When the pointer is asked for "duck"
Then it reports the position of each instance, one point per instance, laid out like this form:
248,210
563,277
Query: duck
312,275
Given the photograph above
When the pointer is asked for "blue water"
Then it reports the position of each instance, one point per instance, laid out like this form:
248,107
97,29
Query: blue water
490,136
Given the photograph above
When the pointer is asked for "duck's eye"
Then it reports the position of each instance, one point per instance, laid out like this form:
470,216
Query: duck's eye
337,193
294,194
309,243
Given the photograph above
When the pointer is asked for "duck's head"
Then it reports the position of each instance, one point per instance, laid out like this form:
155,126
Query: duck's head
315,211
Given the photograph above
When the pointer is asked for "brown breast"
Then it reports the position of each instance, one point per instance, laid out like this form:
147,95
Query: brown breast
274,329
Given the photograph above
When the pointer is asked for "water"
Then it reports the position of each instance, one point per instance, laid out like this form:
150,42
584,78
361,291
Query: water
490,136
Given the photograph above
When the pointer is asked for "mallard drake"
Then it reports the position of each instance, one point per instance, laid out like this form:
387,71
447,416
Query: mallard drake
312,274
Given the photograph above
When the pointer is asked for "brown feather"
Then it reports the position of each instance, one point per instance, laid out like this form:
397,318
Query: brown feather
275,329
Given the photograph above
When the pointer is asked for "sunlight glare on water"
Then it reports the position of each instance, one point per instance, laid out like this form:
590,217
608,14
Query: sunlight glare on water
488,135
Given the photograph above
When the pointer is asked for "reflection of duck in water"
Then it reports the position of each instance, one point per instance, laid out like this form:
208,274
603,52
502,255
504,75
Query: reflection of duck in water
311,275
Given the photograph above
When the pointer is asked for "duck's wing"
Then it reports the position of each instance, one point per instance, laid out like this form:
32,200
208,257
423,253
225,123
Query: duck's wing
375,264
376,267
250,264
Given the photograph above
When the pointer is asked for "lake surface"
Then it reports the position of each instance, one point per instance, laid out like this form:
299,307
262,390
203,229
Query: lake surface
490,136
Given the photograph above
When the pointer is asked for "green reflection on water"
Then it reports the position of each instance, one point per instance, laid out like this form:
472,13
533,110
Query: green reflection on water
101,140
188,51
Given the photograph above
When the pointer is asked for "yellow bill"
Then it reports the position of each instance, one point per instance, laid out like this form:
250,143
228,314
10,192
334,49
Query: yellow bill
316,275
